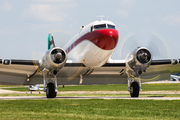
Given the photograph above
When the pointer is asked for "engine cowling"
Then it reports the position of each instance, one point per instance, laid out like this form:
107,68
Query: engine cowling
138,61
54,59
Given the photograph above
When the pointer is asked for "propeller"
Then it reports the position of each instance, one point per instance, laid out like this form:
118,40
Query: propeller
36,65
156,45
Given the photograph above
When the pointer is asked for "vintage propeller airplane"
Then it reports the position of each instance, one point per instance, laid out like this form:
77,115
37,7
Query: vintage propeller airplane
86,59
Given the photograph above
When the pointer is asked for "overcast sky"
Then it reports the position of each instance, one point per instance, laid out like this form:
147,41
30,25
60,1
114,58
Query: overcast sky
24,24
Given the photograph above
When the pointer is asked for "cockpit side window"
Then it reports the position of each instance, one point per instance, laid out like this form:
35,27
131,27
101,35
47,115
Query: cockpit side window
91,28
111,26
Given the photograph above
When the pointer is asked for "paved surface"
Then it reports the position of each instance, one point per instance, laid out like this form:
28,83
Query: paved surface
85,97
6,91
94,92
117,92
90,92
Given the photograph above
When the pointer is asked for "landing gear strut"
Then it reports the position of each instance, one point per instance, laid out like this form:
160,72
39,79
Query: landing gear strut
50,86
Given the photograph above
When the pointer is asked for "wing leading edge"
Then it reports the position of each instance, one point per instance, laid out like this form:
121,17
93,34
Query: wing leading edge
19,71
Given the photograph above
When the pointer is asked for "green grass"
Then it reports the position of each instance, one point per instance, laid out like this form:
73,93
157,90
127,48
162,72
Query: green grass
116,87
93,109
11,85
17,89
161,86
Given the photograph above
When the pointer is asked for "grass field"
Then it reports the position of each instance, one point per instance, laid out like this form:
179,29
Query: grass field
89,109
93,109
115,87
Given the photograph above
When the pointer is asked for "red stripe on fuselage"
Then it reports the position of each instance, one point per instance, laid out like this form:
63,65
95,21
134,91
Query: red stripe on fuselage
105,39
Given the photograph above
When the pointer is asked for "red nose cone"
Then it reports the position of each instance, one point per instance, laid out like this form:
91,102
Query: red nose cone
106,39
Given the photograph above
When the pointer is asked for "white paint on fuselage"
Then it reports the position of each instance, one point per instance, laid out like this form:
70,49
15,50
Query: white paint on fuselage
87,52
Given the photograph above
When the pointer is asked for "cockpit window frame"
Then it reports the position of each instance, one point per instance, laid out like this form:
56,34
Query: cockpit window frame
106,26
100,26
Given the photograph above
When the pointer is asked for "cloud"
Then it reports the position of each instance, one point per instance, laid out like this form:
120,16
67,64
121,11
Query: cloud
48,12
52,1
123,13
127,3
8,31
124,6
171,19
123,27
6,6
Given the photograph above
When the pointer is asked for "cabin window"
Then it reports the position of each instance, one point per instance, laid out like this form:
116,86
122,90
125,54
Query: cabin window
111,26
71,46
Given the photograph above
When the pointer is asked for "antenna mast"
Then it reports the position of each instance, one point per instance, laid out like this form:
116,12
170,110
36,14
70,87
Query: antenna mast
101,16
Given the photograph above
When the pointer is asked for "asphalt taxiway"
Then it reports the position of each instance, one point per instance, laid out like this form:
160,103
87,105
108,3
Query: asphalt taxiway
2,91
85,97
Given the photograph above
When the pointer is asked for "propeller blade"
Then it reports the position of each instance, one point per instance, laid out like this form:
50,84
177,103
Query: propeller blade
128,44
158,47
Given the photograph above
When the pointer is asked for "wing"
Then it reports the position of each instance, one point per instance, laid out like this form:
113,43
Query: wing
161,70
27,72
14,71
116,71
17,71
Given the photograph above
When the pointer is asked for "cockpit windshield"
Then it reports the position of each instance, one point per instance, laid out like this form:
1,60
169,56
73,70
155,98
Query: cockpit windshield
111,26
102,26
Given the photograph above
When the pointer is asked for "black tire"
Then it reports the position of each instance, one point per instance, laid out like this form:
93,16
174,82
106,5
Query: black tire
55,94
134,91
50,91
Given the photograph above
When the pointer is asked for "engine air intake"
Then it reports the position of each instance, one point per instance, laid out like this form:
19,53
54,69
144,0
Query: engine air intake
58,56
143,56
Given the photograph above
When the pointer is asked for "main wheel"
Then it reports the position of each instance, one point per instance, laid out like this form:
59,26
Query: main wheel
50,91
134,91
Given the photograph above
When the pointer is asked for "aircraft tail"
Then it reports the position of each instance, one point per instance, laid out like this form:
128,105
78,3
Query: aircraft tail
51,43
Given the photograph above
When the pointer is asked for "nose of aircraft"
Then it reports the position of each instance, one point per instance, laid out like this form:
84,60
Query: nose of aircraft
106,39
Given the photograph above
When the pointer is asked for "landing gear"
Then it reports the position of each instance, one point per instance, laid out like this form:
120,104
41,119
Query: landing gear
134,87
50,91
50,86
134,90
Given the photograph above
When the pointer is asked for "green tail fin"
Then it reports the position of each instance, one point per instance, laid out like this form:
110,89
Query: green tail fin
51,43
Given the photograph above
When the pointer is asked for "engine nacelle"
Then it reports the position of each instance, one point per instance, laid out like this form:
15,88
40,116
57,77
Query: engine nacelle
53,60
138,61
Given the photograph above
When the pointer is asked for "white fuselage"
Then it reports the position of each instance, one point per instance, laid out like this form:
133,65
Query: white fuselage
93,45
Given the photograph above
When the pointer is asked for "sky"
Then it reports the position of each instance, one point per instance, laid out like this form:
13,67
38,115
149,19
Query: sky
24,25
